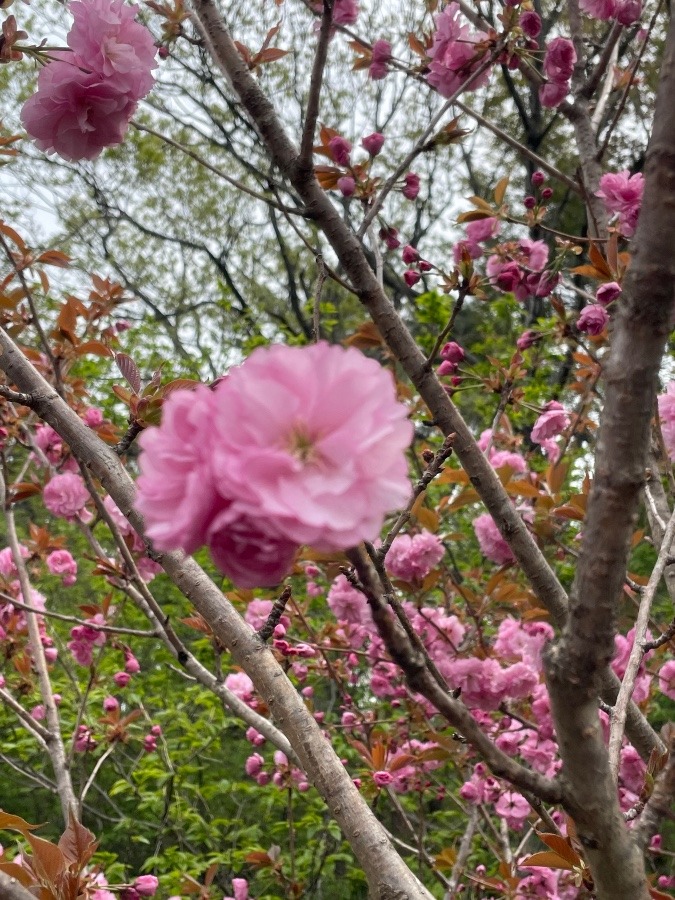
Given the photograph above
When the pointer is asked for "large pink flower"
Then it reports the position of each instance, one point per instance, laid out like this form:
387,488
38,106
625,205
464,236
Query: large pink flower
74,113
622,194
318,452
65,495
297,445
107,41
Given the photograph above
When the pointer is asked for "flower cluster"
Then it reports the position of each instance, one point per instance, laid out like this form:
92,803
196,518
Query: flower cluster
412,557
455,54
626,12
520,268
317,457
86,98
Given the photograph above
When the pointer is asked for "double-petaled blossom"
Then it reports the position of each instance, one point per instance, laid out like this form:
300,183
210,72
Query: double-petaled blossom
65,495
593,319
317,457
559,61
412,557
492,544
86,97
380,59
621,193
455,54
550,423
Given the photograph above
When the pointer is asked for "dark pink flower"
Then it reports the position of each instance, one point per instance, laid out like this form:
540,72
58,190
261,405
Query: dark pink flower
527,339
530,22
607,293
559,60
550,423
340,149
346,185
629,12
383,778
411,186
482,230
593,319
453,352
667,416
599,9
411,277
379,66
410,255
246,553
373,143
553,93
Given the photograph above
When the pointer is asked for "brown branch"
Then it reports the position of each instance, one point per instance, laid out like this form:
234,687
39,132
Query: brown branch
661,804
315,85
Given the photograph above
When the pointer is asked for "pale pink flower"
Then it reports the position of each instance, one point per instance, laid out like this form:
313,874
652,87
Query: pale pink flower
65,495
492,544
412,557
75,113
117,516
148,569
593,319
106,40
455,55
550,423
514,808
515,461
599,9
383,778
254,764
61,562
534,253
49,442
240,685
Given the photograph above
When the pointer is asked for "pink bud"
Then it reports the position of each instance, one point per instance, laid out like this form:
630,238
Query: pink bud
390,237
593,319
527,339
382,778
411,186
373,143
409,255
340,148
146,885
453,352
411,277
110,704
132,665
121,679
607,293
346,185
538,178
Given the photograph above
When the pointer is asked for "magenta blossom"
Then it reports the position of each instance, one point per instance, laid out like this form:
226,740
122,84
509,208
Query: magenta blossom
593,319
146,885
608,293
65,495
604,10
553,93
373,143
530,22
559,60
61,562
667,679
550,423
345,12
667,416
340,148
411,186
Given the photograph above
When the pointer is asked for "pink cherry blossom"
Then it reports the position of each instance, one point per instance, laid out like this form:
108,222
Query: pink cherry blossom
65,495
667,416
340,148
318,457
146,885
345,12
455,54
622,194
593,319
483,229
492,544
373,143
599,9
347,604
241,686
61,562
667,679
75,113
530,22
608,293
106,40
411,186
7,566
176,490
93,417
559,60
381,57
550,423
412,557
553,93
514,808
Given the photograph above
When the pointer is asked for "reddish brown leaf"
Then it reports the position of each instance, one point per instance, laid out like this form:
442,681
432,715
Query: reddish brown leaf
129,370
